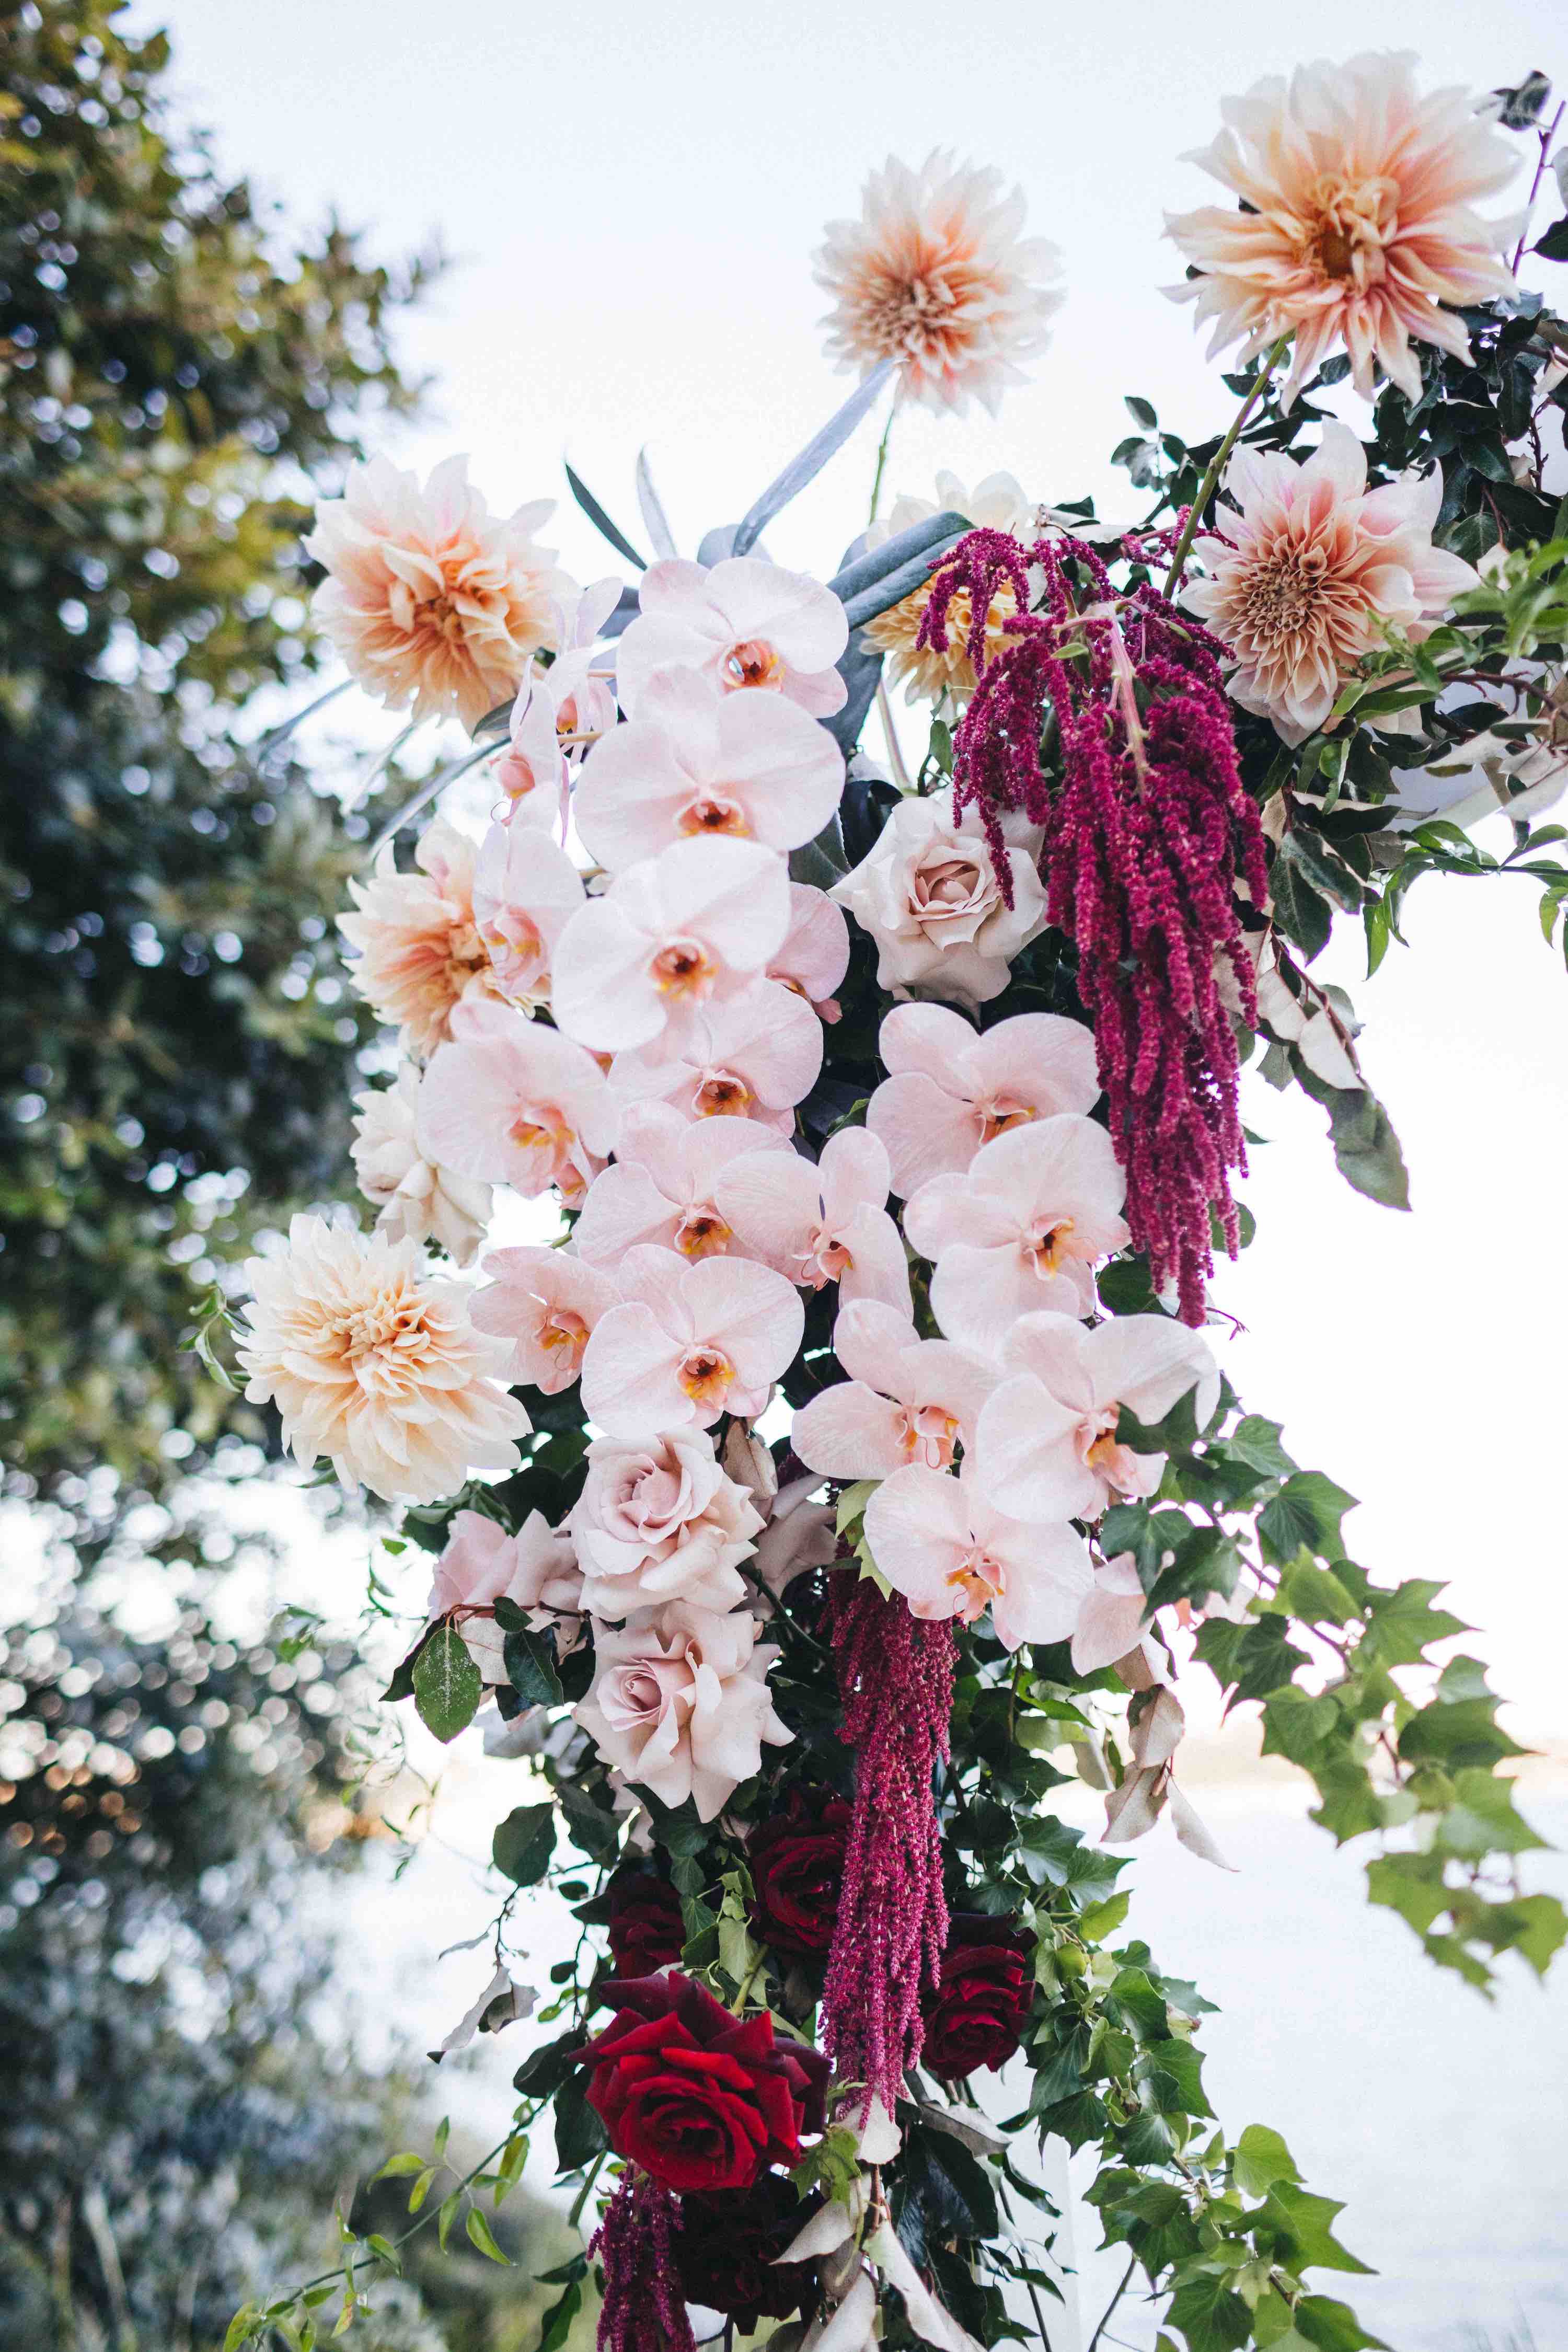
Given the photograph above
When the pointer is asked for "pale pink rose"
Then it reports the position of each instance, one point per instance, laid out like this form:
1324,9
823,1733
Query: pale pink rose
814,956
418,1199
546,1302
800,1535
373,1362
936,274
751,1056
941,1542
662,1186
1048,1442
1110,1620
747,625
689,1342
417,953
1310,565
516,1103
482,1564
680,1703
658,1520
826,1223
429,598
526,890
906,1400
949,1091
928,894
1356,224
1022,1228
670,936
695,761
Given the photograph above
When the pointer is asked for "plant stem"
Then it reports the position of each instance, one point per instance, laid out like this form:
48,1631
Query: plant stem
1545,137
895,756
582,2194
882,460
1216,465
1126,2281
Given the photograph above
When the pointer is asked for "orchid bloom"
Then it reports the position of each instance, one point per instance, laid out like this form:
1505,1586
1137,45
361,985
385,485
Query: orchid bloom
746,625
697,762
670,936
941,1542
581,688
1110,1620
662,1186
949,1090
531,773
689,1342
526,890
512,1102
1048,1441
1021,1229
814,956
752,1057
906,1399
823,1224
482,1564
546,1301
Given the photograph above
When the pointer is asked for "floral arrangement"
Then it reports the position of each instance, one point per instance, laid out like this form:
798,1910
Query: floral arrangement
855,1461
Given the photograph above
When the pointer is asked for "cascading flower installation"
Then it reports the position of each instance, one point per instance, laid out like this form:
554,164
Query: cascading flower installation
796,1192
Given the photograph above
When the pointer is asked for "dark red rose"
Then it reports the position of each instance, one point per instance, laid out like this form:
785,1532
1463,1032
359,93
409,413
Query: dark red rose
977,2014
726,2247
699,2098
798,1868
645,1927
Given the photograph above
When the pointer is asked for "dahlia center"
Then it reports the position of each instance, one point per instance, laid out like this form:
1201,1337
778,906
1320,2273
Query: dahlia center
443,615
1350,225
1284,593
712,813
721,1095
702,1233
366,1331
752,662
683,969
980,1580
705,1375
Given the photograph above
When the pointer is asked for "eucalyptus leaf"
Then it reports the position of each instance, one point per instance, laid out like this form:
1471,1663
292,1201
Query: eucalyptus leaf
655,520
810,460
601,520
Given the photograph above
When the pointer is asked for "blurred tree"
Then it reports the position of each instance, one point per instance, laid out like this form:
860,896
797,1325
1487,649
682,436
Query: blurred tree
178,381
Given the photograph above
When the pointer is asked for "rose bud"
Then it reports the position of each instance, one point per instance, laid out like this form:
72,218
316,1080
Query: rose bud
699,2098
797,1866
977,2014
645,1925
726,2250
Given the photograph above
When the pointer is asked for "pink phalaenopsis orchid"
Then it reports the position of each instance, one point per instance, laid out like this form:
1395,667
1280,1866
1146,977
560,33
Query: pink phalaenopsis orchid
482,1564
663,1185
689,1342
513,1102
670,936
1021,1229
814,956
1047,1444
526,890
746,625
941,1542
826,1223
1110,1619
906,1400
546,1301
751,1056
559,710
698,761
948,1090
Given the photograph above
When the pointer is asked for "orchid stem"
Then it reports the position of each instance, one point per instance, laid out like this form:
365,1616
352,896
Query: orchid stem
882,446
1216,465
895,755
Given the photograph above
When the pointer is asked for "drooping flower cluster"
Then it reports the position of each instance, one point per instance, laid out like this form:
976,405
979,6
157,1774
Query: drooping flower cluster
1148,833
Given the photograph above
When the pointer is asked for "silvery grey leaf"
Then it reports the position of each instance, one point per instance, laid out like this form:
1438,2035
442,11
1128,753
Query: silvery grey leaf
601,520
860,667
627,607
427,793
717,544
655,520
277,735
379,765
810,460
922,539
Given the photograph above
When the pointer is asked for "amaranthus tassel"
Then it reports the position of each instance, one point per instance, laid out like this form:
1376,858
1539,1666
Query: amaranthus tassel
1148,835
644,2309
894,1682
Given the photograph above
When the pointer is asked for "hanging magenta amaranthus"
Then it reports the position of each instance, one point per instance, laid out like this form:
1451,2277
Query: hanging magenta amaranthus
1148,829
644,2308
895,1683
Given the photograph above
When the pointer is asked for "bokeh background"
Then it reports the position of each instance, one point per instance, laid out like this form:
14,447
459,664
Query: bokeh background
215,1999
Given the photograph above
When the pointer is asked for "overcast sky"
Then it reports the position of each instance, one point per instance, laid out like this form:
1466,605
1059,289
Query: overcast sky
631,197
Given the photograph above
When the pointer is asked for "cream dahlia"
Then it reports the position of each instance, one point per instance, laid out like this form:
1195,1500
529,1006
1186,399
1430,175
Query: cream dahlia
431,599
375,1363
935,275
995,504
1307,568
418,1199
419,949
1357,220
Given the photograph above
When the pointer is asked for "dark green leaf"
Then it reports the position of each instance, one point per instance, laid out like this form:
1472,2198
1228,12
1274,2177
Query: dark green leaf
524,1842
530,1663
447,1684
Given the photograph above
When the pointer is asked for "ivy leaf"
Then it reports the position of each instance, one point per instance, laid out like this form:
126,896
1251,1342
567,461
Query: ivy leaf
1305,1512
524,1842
447,1684
1211,2316
1332,2326
1295,1724
1305,2222
1260,2158
1256,1443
